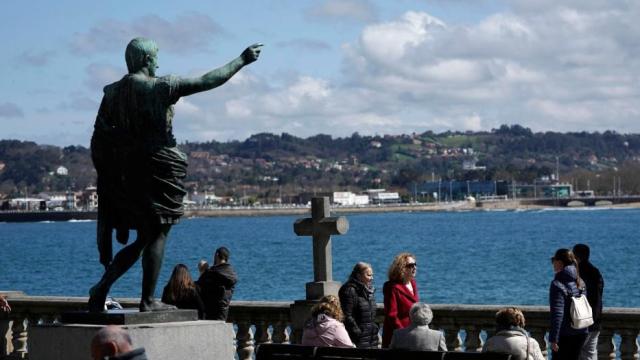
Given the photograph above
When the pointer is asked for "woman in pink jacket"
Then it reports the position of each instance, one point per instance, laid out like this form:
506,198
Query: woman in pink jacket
325,328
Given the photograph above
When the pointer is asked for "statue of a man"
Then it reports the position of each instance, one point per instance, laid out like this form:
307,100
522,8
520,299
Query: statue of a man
140,169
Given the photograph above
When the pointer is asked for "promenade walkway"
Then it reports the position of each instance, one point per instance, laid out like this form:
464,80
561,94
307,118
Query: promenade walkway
256,322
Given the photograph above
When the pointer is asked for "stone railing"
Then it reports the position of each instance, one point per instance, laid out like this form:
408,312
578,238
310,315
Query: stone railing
257,322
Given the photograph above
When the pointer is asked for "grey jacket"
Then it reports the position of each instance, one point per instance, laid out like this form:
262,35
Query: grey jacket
418,338
514,342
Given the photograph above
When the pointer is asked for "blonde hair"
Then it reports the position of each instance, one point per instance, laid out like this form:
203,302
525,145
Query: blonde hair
510,317
398,268
330,306
359,269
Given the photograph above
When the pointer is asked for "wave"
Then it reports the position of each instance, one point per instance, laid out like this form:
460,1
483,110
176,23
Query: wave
80,220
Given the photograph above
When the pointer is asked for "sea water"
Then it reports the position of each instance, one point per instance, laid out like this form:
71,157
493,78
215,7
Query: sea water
475,257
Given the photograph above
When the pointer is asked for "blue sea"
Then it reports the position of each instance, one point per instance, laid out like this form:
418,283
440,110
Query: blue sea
475,257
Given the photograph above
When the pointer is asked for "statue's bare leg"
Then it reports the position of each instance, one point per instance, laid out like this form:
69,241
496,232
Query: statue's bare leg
152,257
123,260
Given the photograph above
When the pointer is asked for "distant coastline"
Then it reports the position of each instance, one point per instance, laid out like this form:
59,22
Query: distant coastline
40,216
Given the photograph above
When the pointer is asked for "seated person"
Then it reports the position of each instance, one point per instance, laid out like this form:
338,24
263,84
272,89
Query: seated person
182,292
113,342
325,328
418,336
512,338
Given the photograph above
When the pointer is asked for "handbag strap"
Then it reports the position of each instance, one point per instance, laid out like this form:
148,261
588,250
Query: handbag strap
566,290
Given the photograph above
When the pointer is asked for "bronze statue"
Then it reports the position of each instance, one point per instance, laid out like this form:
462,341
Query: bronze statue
140,169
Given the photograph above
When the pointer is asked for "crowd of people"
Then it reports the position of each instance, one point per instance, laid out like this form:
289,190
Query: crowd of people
349,321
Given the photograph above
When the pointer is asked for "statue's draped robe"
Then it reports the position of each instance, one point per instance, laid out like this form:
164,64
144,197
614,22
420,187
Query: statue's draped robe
140,169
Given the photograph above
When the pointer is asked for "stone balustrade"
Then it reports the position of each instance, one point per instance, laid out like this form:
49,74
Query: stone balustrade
257,322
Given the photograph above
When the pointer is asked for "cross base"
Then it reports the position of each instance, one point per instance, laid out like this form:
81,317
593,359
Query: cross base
316,290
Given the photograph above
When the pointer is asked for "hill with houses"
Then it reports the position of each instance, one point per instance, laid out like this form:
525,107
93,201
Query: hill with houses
267,166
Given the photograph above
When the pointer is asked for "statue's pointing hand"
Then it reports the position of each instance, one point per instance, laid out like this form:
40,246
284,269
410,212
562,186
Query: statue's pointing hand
251,53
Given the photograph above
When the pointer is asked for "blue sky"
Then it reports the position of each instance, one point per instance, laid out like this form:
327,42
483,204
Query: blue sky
330,66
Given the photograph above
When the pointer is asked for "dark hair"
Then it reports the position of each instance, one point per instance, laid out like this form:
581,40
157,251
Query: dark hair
566,257
180,284
581,251
222,253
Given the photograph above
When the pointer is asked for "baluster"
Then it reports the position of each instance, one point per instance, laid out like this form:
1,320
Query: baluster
452,337
538,334
280,335
295,337
19,339
5,328
262,333
629,345
244,340
472,342
606,346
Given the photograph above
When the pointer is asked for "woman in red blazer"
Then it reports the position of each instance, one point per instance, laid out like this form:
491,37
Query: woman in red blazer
400,292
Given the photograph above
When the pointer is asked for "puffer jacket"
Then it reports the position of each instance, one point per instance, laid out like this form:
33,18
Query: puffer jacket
359,307
560,304
325,331
516,342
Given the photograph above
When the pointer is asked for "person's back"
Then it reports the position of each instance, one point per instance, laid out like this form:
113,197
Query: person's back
419,338
595,287
325,328
217,285
511,337
182,292
515,342
325,331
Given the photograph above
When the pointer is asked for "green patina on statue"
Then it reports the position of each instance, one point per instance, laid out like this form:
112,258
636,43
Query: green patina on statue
140,169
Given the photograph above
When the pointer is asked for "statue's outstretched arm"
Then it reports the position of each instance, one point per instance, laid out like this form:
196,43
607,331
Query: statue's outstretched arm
219,76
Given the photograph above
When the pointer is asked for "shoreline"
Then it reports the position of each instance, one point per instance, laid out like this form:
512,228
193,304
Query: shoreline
462,206
458,206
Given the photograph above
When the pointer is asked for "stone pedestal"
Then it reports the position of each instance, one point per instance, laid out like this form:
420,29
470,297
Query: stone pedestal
127,317
318,289
300,313
196,340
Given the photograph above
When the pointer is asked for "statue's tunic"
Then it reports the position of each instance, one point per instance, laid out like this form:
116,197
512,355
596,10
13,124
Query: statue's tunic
138,164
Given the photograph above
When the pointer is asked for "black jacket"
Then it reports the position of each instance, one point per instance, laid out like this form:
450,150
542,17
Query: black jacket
595,287
359,308
216,289
191,301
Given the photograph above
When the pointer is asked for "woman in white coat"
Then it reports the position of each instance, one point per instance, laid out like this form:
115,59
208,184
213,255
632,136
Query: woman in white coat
512,338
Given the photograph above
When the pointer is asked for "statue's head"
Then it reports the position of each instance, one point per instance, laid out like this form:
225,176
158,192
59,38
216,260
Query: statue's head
142,52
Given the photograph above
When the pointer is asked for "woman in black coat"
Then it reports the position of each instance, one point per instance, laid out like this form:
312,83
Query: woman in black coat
358,303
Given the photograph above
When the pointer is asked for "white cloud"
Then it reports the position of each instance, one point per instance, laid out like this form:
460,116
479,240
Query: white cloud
566,68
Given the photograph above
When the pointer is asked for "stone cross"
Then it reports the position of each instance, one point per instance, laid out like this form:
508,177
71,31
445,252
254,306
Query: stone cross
321,226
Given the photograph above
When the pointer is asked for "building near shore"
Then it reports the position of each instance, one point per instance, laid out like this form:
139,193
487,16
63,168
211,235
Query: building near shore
382,196
347,198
